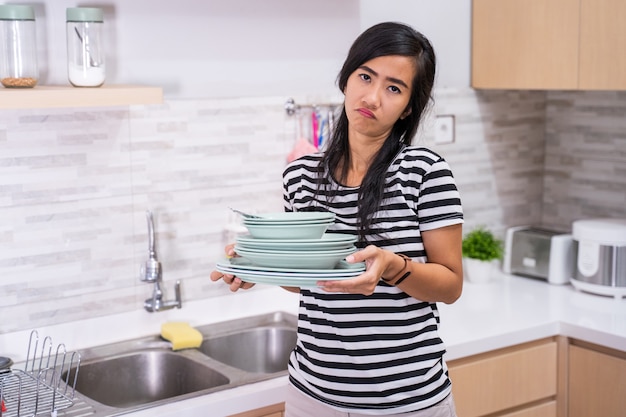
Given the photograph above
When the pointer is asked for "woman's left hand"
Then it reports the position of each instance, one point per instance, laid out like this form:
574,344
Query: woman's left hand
376,262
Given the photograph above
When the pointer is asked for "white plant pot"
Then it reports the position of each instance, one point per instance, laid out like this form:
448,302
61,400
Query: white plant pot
478,271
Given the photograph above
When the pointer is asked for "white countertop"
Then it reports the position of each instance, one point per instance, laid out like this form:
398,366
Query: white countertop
507,311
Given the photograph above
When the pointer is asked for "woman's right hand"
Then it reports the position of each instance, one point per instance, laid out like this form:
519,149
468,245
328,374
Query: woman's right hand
235,283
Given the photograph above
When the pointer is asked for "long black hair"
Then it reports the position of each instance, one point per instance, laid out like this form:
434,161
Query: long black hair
383,39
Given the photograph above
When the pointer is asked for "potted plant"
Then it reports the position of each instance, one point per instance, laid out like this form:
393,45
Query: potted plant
481,253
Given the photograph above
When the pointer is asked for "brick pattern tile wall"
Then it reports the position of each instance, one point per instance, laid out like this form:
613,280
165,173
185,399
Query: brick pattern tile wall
75,185
585,170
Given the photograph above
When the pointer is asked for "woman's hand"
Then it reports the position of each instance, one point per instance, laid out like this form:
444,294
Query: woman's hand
233,281
377,261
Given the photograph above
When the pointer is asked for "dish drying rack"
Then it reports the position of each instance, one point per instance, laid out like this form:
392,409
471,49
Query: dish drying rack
45,386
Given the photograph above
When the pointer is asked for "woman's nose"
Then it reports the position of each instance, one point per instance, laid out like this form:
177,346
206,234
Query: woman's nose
372,97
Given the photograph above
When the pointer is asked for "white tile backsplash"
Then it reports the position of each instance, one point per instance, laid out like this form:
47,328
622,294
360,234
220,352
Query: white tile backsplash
75,185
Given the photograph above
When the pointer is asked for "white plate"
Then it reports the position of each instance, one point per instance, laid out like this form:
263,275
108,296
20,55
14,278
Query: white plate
328,241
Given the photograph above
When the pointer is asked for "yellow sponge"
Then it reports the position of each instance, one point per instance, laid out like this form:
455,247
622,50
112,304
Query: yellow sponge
181,334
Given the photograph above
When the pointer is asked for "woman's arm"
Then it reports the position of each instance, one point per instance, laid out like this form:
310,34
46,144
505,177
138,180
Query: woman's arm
440,279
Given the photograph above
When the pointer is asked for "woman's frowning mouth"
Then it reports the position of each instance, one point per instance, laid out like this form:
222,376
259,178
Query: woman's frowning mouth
366,113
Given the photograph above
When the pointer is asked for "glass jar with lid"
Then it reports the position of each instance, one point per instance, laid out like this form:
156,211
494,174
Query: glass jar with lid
85,52
18,46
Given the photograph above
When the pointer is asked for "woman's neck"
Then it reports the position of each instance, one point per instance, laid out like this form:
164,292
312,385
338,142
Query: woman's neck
362,153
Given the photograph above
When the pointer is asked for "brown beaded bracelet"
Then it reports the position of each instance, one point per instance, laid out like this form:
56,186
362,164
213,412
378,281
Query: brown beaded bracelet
403,274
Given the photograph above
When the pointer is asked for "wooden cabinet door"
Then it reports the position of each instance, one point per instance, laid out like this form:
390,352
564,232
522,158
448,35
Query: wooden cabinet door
525,44
542,410
603,45
494,382
276,410
597,383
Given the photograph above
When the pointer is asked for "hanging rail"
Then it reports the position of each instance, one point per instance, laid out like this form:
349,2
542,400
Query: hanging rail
291,107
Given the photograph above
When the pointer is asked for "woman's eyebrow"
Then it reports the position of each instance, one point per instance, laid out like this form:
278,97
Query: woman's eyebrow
391,79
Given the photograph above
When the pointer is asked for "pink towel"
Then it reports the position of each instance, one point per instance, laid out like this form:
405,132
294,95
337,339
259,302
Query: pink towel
301,148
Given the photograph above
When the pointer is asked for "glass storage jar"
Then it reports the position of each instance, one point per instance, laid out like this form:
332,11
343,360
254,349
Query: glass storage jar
18,47
85,52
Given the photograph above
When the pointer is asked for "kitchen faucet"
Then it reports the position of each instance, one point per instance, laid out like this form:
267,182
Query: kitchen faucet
151,272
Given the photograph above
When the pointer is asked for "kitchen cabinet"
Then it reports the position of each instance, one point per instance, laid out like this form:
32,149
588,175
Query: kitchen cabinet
275,410
597,381
67,96
556,44
520,381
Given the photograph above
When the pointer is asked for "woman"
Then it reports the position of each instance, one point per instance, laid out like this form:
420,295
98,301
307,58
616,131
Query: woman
369,345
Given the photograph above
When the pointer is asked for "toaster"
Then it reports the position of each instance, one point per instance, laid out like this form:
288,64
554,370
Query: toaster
539,253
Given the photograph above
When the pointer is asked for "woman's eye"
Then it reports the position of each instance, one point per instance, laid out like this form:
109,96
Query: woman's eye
394,89
365,77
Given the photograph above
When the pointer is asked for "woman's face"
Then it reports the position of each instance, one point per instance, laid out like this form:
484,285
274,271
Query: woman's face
377,94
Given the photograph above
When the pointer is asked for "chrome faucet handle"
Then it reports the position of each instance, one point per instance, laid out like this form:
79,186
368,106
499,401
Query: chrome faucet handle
179,299
156,302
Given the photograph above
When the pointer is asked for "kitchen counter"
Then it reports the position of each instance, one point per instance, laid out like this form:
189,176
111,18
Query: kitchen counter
505,312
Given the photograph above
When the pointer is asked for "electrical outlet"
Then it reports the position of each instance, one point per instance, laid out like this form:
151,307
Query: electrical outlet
444,129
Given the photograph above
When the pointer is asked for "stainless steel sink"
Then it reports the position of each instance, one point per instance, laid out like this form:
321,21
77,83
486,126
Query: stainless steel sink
260,350
145,377
141,373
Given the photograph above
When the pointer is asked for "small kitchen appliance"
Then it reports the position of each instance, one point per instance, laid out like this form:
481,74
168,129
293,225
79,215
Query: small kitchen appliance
539,253
600,256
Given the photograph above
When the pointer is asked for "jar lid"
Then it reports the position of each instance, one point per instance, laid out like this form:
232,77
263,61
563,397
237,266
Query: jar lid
84,14
16,12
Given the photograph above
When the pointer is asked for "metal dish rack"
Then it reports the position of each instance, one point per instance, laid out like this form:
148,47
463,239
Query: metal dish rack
45,386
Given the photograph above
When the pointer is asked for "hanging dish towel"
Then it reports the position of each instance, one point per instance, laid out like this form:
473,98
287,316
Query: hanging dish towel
301,147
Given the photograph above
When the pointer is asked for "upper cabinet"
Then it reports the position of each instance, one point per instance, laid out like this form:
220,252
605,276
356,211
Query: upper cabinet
549,45
602,63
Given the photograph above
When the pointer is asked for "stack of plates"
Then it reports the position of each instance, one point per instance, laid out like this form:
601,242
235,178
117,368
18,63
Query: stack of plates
292,225
292,249
323,253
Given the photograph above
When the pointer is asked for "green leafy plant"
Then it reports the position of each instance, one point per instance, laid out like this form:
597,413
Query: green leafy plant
481,244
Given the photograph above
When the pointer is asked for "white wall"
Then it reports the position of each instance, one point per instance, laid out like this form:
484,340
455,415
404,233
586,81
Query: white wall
217,48
446,23
246,48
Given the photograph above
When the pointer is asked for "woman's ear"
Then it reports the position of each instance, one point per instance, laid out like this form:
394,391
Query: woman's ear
405,113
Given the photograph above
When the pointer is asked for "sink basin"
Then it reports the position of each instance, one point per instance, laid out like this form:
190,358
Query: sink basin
144,377
145,372
259,350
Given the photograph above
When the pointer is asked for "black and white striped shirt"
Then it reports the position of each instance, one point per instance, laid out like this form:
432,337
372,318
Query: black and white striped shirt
378,354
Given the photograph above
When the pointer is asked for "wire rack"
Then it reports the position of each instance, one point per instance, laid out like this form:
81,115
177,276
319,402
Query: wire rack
45,386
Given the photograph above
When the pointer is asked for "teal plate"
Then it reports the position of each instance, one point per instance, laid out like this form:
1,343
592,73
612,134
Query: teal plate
329,241
286,281
291,217
242,265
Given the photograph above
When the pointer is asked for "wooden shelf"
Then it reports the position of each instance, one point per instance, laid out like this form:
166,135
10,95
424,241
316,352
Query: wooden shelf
68,96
